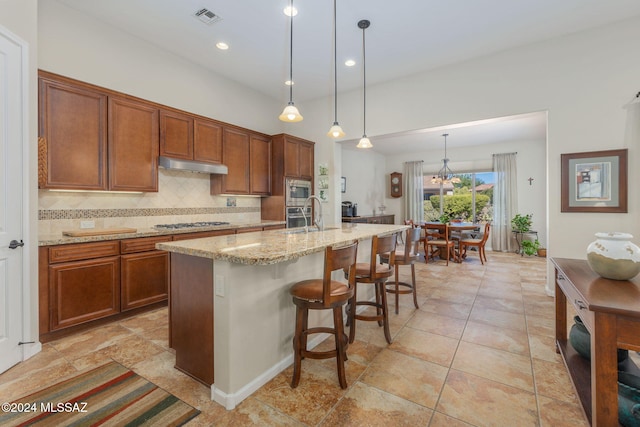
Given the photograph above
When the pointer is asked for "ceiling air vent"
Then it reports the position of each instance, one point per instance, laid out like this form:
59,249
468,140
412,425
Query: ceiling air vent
206,16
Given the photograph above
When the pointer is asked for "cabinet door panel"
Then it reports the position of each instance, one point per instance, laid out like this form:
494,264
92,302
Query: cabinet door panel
291,154
235,155
260,163
306,160
72,121
84,290
133,145
207,142
145,278
176,135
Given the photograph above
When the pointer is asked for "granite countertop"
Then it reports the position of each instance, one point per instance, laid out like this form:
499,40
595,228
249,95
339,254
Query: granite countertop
59,239
275,246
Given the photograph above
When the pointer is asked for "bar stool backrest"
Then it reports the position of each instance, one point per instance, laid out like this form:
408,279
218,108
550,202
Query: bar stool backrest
342,258
379,246
412,244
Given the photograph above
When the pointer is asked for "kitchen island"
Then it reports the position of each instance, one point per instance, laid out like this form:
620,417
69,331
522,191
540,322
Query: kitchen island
231,315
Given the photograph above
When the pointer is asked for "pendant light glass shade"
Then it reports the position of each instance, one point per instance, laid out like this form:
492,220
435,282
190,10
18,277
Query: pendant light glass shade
335,131
364,141
445,174
290,113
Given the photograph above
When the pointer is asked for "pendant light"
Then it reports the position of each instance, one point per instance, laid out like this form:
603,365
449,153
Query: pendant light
364,141
290,113
445,175
335,131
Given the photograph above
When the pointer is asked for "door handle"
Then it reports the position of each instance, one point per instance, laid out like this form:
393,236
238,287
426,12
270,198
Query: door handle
15,244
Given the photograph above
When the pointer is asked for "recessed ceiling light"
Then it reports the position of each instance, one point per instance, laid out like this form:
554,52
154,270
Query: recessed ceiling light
222,46
290,11
289,83
349,62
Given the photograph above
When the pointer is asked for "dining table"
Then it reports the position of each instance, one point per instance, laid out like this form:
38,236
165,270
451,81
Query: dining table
455,228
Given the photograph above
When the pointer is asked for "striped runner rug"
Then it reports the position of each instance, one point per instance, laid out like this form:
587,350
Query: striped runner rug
110,395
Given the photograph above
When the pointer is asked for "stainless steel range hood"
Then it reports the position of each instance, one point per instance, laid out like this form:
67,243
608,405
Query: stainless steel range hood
190,165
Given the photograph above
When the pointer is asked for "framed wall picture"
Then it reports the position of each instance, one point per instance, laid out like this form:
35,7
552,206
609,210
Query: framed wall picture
343,184
594,181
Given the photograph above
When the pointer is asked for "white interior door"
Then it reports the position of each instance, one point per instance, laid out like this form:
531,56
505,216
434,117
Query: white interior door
12,129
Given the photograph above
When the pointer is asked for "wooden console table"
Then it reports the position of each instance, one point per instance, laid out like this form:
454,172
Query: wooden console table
610,309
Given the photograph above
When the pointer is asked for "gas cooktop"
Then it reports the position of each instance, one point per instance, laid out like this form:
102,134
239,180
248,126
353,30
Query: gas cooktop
189,225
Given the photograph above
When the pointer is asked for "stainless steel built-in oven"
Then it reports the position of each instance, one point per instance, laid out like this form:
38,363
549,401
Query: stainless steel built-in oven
295,217
296,192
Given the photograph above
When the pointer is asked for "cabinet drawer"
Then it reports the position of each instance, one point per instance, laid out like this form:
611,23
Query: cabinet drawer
80,251
142,245
576,300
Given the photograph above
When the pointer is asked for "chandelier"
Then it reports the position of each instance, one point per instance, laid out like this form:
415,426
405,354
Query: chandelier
445,174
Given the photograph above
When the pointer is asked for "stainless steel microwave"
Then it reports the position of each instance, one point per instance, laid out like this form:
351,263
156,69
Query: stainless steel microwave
297,191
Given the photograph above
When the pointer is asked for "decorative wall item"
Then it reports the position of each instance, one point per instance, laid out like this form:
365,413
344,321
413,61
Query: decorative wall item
396,184
323,182
343,184
594,181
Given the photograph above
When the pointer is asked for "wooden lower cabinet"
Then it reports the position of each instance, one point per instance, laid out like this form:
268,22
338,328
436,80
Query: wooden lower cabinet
81,291
144,279
370,219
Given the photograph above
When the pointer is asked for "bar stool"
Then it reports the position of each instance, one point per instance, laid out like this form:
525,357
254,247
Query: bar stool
407,256
322,294
376,274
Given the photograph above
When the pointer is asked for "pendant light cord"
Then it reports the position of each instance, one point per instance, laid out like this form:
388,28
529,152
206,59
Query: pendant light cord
335,63
364,83
291,53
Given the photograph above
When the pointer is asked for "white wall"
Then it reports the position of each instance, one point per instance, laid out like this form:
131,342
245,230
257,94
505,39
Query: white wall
366,178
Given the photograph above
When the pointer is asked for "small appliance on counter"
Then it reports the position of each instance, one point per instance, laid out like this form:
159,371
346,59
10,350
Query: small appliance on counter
349,209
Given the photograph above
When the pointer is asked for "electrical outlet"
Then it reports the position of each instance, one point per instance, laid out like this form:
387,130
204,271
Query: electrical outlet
219,281
87,224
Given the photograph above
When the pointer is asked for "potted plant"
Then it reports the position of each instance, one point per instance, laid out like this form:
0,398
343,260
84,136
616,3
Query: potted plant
542,252
521,223
530,247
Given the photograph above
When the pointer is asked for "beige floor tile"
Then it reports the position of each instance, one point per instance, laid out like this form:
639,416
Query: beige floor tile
364,405
552,380
426,346
483,402
496,337
442,420
540,325
252,412
497,365
544,347
454,295
503,304
437,324
407,377
80,344
445,308
555,413
499,318
147,321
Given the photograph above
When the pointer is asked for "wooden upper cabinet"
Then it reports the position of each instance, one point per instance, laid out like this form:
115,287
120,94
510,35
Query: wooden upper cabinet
291,156
176,135
189,137
260,164
207,141
133,145
305,160
73,130
235,154
95,139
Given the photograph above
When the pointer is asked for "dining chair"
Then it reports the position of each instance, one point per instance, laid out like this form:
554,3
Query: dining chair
438,242
478,243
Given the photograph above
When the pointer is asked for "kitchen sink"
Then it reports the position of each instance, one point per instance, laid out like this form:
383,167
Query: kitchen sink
311,230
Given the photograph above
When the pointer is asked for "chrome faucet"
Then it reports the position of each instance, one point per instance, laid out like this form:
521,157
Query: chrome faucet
306,230
318,221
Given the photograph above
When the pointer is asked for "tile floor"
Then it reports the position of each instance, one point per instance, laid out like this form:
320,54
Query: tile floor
478,352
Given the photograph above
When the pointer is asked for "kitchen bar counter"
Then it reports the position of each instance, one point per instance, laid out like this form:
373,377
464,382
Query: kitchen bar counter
232,318
59,239
275,246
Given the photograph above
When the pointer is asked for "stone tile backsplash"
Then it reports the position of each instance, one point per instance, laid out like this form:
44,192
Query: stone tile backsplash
181,197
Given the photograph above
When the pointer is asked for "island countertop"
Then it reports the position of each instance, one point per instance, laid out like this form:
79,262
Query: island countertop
275,246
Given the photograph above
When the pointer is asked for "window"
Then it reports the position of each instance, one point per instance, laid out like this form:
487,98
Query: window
469,200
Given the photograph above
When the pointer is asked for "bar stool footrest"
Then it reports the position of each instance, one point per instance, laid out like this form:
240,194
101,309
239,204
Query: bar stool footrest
392,290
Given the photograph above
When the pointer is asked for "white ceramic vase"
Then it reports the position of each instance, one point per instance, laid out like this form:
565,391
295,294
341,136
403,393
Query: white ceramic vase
614,256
